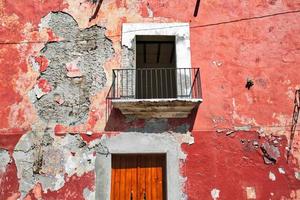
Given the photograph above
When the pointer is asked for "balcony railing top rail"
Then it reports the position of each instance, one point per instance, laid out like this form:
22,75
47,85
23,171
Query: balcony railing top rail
156,83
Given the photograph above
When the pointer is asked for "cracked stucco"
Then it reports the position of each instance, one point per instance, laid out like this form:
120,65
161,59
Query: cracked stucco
75,71
4,160
69,155
48,160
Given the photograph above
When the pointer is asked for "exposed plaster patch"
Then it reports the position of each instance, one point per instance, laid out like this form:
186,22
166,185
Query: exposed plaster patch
242,128
251,194
4,160
283,120
241,119
215,194
89,133
150,12
281,170
88,194
297,175
295,194
35,65
271,153
47,160
217,63
272,176
75,70
218,120
128,57
290,93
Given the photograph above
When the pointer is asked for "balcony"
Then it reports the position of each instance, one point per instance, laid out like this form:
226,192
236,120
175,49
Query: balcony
155,92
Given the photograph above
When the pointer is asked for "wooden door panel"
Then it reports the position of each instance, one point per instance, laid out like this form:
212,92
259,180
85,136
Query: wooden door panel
128,178
134,174
141,178
148,183
138,177
122,177
116,183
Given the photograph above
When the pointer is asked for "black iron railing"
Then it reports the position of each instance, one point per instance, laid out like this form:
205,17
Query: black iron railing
155,83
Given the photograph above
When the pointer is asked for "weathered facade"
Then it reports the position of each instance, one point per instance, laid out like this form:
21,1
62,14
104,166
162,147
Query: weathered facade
59,131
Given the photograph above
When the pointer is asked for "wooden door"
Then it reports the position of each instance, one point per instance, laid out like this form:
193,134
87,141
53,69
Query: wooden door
138,177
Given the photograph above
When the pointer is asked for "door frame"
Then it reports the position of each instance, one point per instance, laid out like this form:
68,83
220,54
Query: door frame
141,143
139,165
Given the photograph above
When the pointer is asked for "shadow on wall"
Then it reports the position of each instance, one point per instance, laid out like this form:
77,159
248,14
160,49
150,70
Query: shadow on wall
119,122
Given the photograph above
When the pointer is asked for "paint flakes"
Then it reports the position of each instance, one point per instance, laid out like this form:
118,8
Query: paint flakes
250,191
242,128
281,170
88,194
150,12
270,153
215,193
41,88
297,175
89,133
42,63
4,160
217,63
272,176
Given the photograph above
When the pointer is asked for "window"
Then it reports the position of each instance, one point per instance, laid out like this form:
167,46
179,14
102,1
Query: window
156,79
155,67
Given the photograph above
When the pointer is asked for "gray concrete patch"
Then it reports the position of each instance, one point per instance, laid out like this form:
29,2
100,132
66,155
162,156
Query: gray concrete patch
4,160
88,195
41,158
160,126
84,51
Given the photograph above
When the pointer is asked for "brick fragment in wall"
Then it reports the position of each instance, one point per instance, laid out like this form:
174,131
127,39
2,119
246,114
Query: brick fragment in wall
75,70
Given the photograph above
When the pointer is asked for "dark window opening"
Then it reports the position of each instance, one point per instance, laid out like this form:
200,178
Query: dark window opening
156,67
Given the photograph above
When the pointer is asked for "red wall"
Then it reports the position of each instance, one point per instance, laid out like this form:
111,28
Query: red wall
230,41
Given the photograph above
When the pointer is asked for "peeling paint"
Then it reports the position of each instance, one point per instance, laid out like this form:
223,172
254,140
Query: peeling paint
88,194
69,155
250,191
56,77
75,69
215,194
272,176
4,160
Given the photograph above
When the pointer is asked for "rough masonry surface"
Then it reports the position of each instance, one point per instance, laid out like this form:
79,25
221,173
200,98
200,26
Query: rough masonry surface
75,70
42,158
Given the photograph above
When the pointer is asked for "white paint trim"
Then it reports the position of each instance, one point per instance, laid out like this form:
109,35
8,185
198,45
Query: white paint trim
141,143
180,30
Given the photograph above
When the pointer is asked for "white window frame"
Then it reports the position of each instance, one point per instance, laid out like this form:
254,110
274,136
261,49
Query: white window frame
181,31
